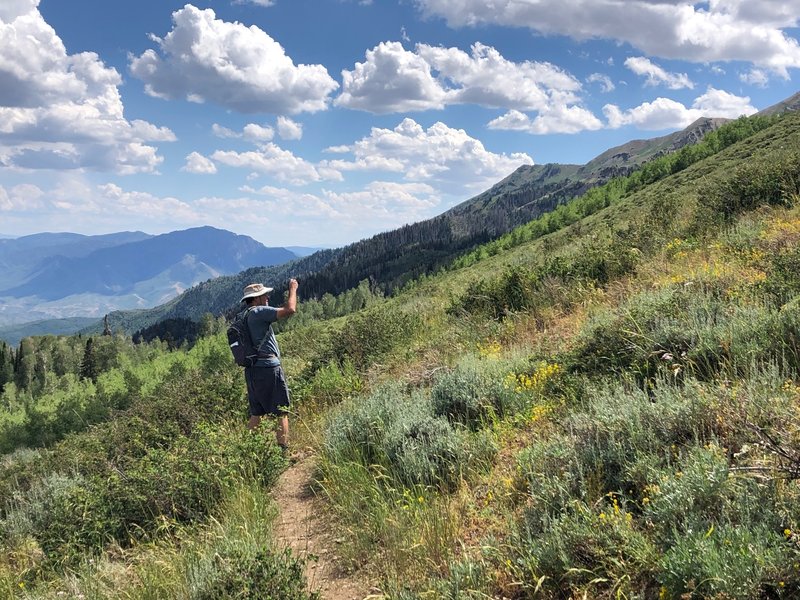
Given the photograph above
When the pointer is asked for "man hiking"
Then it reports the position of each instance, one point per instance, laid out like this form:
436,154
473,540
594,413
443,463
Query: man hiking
266,383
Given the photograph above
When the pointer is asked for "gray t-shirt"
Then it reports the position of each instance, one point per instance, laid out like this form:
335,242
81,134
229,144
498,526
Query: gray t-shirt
259,321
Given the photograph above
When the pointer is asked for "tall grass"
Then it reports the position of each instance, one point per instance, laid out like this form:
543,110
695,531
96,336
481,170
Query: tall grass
230,557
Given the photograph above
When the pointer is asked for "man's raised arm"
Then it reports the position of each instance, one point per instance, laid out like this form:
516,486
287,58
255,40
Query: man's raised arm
290,306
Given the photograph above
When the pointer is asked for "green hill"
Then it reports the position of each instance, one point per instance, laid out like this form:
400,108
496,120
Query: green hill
601,404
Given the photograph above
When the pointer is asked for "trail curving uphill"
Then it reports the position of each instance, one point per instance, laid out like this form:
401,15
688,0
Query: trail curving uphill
301,526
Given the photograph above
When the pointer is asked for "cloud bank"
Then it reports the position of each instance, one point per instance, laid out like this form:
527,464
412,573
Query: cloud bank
205,59
717,30
62,111
393,79
664,113
441,156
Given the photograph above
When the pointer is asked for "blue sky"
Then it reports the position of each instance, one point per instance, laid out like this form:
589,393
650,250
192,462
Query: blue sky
318,123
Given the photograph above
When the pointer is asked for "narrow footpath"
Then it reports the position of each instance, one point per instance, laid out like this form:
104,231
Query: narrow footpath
301,526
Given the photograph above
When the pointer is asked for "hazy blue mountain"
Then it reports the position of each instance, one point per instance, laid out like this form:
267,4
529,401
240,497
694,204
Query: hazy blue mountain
50,281
186,256
23,257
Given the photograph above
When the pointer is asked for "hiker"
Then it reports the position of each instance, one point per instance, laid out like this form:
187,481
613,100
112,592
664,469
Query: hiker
266,383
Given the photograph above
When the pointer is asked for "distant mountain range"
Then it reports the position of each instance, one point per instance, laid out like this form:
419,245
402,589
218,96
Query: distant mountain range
55,275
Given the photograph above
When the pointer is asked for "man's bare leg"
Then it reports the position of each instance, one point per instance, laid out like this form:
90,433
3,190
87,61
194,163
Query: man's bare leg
282,431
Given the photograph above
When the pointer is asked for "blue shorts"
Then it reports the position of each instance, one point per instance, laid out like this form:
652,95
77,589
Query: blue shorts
267,391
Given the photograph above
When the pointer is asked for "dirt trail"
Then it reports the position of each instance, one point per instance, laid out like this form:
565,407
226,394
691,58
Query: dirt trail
301,526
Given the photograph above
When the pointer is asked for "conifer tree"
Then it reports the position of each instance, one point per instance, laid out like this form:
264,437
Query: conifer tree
89,362
6,365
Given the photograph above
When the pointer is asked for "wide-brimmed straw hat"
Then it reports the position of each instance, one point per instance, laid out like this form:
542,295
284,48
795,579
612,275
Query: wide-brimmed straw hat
254,290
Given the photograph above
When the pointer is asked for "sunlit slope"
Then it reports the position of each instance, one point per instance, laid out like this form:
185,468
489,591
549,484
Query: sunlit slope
609,410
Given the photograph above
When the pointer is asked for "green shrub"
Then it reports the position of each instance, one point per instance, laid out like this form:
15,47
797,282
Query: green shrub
357,430
677,332
399,432
470,396
370,335
783,277
621,429
265,575
553,479
72,514
19,469
556,282
772,179
186,480
330,384
729,562
65,514
594,553
640,490
467,579
425,451
700,492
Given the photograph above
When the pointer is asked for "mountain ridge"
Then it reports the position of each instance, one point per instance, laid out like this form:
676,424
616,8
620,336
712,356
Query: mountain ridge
49,277
114,270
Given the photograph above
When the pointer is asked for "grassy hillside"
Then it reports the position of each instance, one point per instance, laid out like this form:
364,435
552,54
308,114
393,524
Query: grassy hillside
602,405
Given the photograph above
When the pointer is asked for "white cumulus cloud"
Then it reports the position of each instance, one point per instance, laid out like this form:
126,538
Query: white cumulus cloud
199,164
338,149
606,85
258,133
241,68
289,129
386,202
71,202
756,77
716,30
224,132
561,119
139,203
377,206
441,156
486,78
25,198
664,113
656,75
393,79
60,110
256,2
277,162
